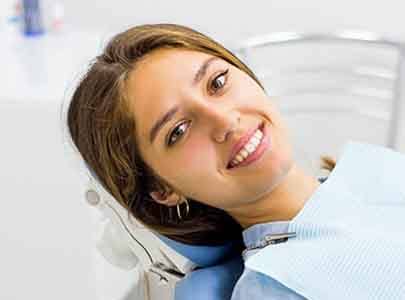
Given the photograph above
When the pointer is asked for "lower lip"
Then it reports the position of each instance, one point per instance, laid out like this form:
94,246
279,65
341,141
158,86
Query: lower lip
264,144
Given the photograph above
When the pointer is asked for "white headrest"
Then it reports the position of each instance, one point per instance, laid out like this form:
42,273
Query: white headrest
147,247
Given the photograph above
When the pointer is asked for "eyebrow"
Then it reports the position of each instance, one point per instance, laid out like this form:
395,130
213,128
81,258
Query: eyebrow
172,112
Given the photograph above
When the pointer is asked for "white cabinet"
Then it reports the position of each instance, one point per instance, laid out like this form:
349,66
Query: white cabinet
47,230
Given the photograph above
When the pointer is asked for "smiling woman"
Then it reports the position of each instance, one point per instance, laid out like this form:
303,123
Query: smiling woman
165,116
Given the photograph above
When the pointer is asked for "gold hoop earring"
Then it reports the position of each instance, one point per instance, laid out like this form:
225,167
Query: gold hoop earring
187,208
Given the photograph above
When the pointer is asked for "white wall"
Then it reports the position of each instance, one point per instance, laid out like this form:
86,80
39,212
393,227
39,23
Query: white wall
47,230
232,20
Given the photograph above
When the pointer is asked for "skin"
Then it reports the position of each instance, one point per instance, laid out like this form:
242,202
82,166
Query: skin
217,111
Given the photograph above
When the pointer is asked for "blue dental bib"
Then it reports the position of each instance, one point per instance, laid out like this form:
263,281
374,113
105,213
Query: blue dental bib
349,241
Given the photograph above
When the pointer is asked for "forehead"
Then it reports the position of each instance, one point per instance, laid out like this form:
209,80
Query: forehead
157,81
160,69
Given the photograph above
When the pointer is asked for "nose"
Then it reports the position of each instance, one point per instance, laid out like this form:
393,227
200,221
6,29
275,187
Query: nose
222,122
222,133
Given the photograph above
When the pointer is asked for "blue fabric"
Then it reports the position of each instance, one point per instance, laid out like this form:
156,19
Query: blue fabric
254,285
203,256
253,234
220,268
348,242
212,283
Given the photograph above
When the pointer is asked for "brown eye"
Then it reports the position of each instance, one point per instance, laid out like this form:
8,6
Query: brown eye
218,82
177,131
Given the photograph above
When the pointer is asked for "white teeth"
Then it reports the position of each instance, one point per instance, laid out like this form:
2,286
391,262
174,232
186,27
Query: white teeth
255,141
249,148
244,153
258,134
239,157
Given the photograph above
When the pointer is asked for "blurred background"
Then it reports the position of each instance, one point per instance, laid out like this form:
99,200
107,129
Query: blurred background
47,230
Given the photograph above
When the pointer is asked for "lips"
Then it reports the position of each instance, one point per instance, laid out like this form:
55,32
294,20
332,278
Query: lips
242,142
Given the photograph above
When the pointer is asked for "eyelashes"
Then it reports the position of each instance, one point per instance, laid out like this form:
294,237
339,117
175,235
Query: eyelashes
214,86
219,84
170,141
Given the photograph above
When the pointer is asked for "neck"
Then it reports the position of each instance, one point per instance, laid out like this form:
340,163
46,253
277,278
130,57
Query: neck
282,204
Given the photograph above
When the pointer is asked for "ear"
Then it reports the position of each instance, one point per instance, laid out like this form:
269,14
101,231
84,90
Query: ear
168,199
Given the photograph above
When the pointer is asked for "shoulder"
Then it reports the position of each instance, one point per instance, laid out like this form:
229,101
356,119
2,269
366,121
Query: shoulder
253,285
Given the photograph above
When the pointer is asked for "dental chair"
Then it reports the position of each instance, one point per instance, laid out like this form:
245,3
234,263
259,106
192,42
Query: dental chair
167,269
172,270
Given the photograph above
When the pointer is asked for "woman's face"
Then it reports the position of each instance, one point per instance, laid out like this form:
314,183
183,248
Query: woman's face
216,104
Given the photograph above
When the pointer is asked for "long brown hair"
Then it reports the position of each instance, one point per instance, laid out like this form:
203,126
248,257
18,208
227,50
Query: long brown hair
102,128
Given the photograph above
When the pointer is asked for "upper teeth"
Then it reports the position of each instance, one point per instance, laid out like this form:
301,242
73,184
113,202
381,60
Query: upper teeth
249,148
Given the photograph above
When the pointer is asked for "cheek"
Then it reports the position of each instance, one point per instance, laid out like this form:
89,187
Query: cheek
196,153
193,166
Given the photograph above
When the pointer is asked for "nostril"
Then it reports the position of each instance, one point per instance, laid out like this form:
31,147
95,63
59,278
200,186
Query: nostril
226,135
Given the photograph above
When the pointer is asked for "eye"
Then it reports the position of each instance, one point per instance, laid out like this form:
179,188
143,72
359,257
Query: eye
218,82
177,131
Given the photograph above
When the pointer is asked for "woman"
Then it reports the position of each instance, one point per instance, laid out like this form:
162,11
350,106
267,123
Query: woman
183,135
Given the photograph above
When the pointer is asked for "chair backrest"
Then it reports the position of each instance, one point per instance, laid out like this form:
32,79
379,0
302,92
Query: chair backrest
322,82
